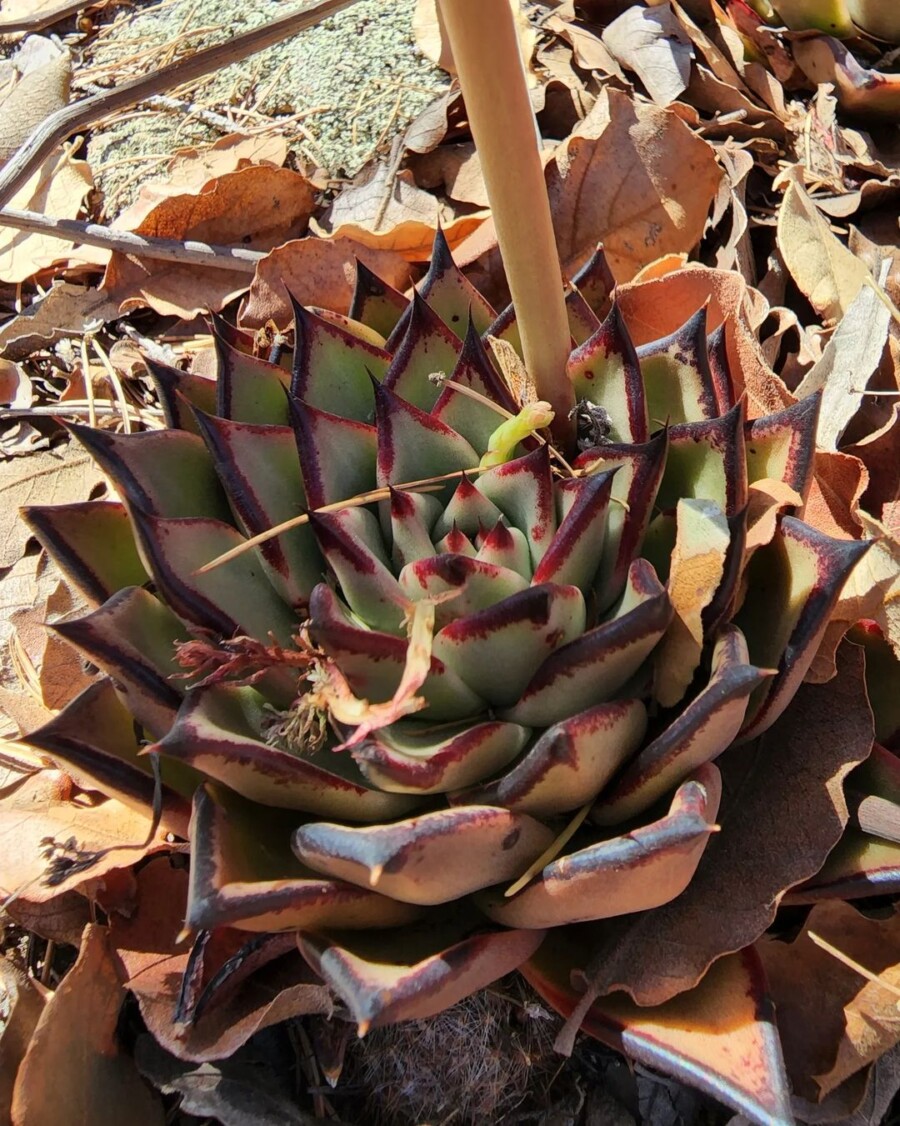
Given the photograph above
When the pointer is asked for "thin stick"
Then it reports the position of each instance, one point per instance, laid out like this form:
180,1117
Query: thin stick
488,61
143,246
68,120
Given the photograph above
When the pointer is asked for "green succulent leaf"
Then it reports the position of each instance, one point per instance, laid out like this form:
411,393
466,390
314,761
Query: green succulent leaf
417,972
432,858
219,733
243,874
641,869
93,544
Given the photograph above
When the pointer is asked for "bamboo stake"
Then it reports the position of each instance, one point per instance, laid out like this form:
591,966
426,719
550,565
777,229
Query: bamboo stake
488,60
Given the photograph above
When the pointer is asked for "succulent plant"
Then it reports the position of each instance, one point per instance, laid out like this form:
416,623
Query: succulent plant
475,687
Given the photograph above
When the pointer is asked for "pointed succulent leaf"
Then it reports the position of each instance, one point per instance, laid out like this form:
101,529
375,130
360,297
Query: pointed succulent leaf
866,861
249,389
593,667
337,454
428,347
132,637
677,379
373,662
422,758
474,419
178,391
219,732
450,293
605,371
92,543
433,858
783,445
859,866
351,543
440,965
140,467
219,599
476,584
259,469
697,569
374,302
721,609
643,868
523,491
475,370
517,635
793,585
595,281
634,489
243,874
720,368
719,1036
468,510
412,516
96,739
413,445
333,369
575,550
706,460
505,547
570,763
699,734
583,321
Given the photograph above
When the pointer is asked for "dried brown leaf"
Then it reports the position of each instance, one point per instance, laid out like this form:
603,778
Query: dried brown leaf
833,1021
23,1006
63,311
317,272
57,476
850,358
652,43
823,268
43,75
93,1080
391,213
57,189
658,306
48,806
634,177
256,207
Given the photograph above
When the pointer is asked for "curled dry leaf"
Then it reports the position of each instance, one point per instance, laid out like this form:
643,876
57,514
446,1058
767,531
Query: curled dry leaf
48,806
190,170
22,1005
389,212
832,1020
848,362
256,207
823,268
871,593
317,272
634,177
41,81
63,311
93,1080
56,673
652,43
57,189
